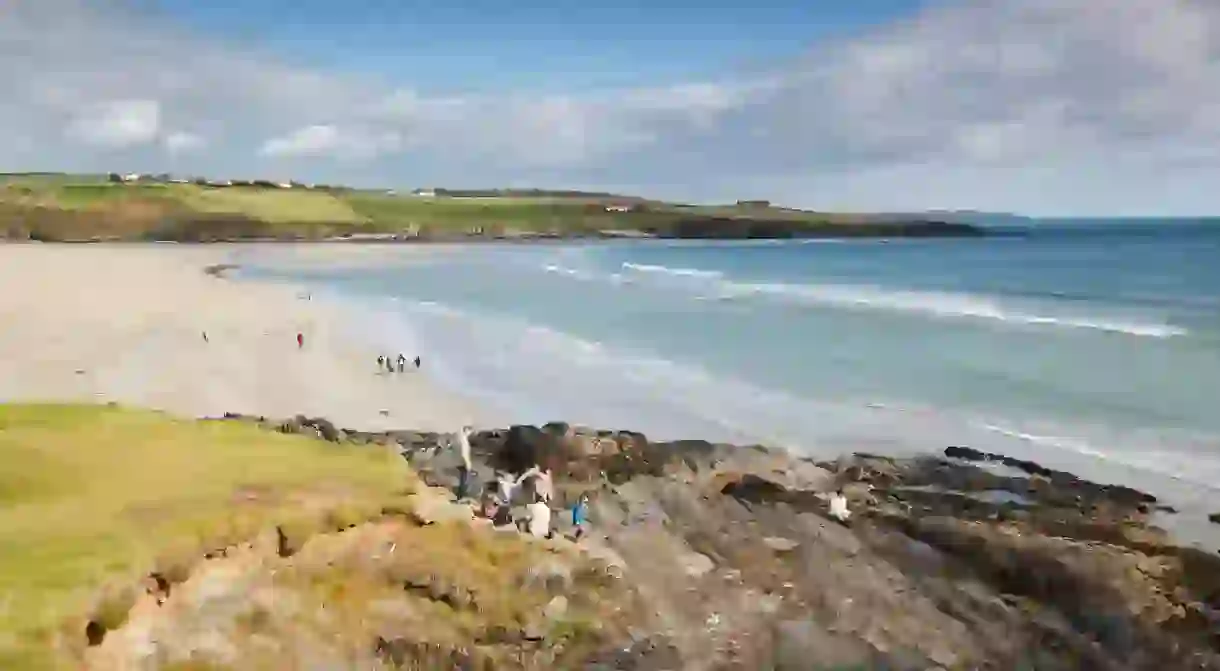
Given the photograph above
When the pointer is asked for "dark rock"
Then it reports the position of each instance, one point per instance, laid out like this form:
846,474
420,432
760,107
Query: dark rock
326,429
966,453
751,488
292,427
755,490
525,447
1214,518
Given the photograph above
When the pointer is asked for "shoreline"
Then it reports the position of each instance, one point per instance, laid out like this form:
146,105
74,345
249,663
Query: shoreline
136,341
128,324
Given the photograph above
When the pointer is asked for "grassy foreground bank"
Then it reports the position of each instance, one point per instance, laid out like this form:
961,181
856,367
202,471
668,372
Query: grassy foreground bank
105,510
93,499
81,209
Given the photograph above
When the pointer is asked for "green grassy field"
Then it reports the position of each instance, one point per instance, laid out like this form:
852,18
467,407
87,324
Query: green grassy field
59,208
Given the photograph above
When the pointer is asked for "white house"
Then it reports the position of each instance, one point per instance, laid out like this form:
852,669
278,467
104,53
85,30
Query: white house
425,193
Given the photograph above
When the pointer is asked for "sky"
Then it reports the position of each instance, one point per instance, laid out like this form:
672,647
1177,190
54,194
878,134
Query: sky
1042,107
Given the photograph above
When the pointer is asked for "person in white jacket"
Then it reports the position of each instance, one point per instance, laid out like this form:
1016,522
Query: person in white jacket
506,487
539,518
543,485
838,507
464,444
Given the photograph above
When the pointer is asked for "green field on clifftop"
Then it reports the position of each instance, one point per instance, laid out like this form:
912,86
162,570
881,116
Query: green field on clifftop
58,208
93,498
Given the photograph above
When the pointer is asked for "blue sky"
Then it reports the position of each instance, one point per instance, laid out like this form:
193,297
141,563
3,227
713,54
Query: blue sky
488,45
1052,107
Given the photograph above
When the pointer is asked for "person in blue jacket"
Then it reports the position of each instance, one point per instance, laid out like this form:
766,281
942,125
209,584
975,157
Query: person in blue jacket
580,512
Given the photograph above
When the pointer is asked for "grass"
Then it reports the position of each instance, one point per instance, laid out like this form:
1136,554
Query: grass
268,205
501,214
54,207
94,498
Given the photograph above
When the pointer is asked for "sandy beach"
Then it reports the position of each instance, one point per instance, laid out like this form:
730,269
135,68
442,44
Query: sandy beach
125,323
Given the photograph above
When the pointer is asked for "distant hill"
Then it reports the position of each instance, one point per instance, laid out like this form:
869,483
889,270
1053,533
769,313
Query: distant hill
55,207
974,217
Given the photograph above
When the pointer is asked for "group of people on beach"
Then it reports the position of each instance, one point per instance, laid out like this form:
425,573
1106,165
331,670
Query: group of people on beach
384,361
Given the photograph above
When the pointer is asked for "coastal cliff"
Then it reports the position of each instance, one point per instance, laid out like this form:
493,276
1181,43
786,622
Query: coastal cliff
710,556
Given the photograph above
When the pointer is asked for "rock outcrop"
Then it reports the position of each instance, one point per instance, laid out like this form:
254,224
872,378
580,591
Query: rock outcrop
732,561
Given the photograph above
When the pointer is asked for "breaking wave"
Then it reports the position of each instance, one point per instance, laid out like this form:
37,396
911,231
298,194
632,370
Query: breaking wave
714,285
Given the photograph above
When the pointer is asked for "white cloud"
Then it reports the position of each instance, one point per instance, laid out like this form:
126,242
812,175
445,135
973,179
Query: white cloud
182,141
970,104
321,140
118,124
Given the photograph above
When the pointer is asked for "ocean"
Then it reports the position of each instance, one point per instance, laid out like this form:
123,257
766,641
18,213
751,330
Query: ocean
1090,347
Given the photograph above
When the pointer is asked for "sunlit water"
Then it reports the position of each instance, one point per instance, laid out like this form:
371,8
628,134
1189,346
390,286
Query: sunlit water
1090,348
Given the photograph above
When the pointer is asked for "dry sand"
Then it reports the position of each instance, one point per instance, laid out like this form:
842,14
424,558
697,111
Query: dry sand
125,323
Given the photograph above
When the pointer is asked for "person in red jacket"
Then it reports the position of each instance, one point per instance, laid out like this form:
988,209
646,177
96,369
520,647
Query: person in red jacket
300,340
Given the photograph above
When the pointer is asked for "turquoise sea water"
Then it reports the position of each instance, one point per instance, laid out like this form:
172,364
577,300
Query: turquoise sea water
1094,348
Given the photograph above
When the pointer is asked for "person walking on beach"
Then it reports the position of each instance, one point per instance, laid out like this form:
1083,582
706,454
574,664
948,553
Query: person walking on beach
389,363
300,340
402,363
417,362
205,336
380,362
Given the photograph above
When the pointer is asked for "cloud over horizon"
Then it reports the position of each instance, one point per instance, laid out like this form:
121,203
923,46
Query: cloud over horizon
1073,106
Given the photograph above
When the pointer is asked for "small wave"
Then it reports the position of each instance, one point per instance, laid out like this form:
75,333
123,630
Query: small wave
666,270
712,285
939,305
562,270
1176,465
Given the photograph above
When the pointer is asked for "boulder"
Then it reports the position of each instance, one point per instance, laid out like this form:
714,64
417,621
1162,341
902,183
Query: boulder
965,453
326,429
696,564
525,447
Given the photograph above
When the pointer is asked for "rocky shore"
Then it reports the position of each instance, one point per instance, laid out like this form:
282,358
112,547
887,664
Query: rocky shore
953,561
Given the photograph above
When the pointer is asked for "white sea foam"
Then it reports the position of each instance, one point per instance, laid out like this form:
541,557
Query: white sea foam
941,305
1185,463
674,272
537,373
713,285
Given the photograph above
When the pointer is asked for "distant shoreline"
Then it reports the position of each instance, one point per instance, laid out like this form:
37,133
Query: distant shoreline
864,231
